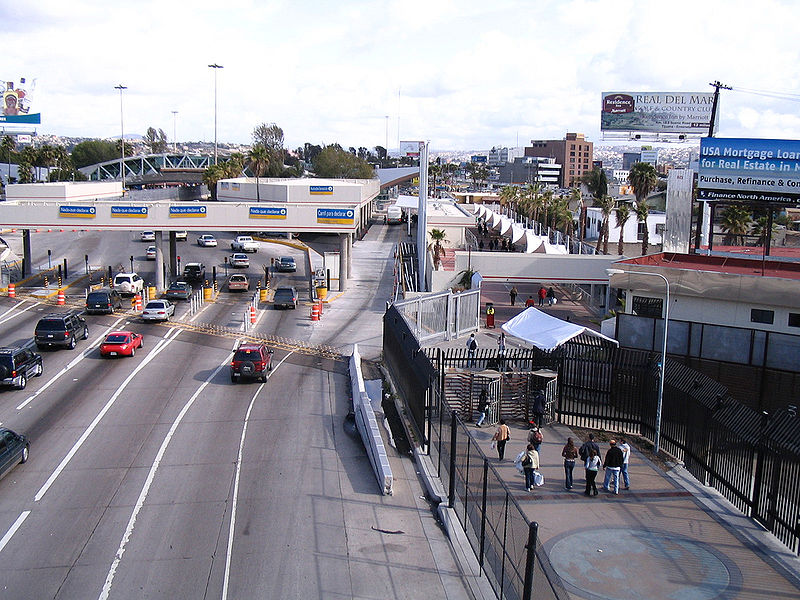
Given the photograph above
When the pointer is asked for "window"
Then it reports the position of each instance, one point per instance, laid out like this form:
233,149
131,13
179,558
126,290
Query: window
659,228
640,229
758,315
794,320
647,307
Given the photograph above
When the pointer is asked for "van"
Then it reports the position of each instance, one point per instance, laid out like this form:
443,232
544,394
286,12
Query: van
394,215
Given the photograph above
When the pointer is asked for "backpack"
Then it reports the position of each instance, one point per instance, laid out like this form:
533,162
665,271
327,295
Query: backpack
583,453
473,345
537,437
526,461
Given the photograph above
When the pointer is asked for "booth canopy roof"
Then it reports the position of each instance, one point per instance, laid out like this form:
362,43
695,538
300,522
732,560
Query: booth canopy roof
545,331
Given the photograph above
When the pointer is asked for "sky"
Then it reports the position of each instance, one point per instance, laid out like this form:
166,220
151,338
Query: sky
465,75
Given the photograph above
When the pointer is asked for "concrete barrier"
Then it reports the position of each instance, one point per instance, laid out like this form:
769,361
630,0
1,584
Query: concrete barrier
367,425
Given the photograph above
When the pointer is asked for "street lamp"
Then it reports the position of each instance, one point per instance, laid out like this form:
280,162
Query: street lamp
174,131
216,67
663,367
121,87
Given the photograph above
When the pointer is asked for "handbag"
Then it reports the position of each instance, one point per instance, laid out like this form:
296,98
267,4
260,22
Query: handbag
494,444
538,479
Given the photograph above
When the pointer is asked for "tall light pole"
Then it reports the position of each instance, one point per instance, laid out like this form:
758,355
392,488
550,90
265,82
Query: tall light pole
121,87
657,440
216,67
175,131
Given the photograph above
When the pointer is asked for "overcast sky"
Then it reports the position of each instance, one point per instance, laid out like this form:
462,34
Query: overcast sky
463,74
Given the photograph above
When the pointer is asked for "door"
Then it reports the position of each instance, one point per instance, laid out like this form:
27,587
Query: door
495,394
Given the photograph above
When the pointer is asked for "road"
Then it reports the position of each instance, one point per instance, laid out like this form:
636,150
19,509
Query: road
154,476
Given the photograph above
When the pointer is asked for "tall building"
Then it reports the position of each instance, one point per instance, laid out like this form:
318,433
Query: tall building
530,169
574,153
498,157
629,159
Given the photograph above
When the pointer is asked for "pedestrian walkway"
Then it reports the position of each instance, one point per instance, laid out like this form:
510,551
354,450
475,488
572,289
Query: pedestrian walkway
667,537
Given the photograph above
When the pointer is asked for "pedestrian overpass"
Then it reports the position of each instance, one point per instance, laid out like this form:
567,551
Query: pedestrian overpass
167,167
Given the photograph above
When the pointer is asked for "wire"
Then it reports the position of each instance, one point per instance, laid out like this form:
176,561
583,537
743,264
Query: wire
769,94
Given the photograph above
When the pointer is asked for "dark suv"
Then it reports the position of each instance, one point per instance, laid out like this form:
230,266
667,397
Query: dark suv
194,272
61,329
251,361
17,365
103,301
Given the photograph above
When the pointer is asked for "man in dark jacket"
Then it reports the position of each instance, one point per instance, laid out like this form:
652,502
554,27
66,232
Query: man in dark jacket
590,444
612,465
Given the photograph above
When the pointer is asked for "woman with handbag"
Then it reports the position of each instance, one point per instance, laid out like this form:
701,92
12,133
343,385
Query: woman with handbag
530,462
501,436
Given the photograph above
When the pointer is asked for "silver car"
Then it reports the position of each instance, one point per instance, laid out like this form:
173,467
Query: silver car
158,310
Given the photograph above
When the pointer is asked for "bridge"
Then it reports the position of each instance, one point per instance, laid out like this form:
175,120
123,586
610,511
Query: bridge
166,167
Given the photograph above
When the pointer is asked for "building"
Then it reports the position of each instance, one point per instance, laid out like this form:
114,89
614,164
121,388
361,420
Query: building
650,156
498,157
632,233
524,170
574,153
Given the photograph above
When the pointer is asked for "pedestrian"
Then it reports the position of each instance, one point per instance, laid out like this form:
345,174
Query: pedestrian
570,453
501,437
539,407
483,407
530,462
535,437
530,302
590,444
551,296
542,295
501,351
480,245
472,346
592,465
626,455
512,293
612,465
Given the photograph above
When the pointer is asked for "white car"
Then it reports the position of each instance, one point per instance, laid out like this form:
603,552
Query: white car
239,259
151,253
244,243
148,236
181,236
207,241
128,283
158,310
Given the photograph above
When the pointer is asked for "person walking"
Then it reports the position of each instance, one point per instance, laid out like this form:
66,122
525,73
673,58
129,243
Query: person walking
570,453
612,464
501,352
592,465
472,346
535,437
512,293
483,407
551,296
530,462
588,445
626,455
501,437
542,295
539,407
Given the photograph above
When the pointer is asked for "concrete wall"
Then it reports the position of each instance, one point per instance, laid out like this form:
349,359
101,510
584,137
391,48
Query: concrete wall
65,191
526,268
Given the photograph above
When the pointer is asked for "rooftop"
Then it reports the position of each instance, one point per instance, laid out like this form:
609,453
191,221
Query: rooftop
719,264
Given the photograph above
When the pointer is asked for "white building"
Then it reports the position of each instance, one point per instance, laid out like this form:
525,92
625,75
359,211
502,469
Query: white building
633,231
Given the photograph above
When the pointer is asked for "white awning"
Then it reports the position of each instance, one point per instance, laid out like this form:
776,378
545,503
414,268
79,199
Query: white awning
505,225
495,219
517,232
545,331
532,241
408,202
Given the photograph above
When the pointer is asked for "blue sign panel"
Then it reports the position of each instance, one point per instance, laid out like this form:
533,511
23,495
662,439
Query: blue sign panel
187,210
84,212
338,216
134,212
258,212
747,170
320,190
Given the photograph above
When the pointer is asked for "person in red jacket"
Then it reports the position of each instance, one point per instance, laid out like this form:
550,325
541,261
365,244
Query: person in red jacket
542,295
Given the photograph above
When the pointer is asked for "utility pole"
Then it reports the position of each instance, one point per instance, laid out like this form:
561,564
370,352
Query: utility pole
716,85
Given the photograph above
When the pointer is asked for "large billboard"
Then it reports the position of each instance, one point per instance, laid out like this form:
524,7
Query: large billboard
16,104
749,170
657,112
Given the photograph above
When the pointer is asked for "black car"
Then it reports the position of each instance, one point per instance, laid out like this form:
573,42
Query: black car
180,290
103,301
13,450
17,365
61,329
194,272
285,297
286,264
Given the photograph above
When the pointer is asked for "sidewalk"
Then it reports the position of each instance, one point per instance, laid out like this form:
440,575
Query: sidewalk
668,537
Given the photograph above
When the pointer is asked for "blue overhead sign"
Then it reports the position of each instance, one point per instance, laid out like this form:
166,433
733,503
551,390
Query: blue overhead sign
187,211
320,190
135,212
84,212
259,212
338,216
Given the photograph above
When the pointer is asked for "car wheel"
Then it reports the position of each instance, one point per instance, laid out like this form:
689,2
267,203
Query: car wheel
23,381
25,452
264,378
133,351
72,343
86,333
141,343
39,370
269,367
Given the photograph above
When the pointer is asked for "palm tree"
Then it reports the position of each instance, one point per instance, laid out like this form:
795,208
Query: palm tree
211,176
434,169
643,178
8,145
438,237
509,196
760,228
547,199
258,160
622,214
562,216
596,182
735,223
606,204
533,200
642,212
576,197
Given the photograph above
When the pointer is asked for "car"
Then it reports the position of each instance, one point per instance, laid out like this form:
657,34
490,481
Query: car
244,243
121,343
238,282
103,301
251,361
207,241
150,253
286,264
285,297
239,259
14,450
194,272
180,290
181,236
148,236
128,283
17,365
158,310
60,329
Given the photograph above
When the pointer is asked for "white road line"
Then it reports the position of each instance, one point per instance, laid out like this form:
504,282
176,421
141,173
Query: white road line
149,481
19,312
153,353
71,364
228,557
10,533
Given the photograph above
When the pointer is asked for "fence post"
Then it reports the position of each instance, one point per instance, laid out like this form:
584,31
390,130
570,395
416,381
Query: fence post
483,511
530,558
451,493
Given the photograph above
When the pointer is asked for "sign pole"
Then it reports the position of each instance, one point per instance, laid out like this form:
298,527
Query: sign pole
422,229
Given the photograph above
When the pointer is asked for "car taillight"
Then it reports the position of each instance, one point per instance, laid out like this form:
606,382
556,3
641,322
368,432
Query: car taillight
14,373
66,334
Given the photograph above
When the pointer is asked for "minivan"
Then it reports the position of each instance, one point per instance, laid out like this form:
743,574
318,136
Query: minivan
103,301
394,215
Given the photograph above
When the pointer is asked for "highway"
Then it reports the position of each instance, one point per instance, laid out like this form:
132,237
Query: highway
155,476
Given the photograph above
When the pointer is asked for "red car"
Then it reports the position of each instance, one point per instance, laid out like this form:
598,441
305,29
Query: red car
121,343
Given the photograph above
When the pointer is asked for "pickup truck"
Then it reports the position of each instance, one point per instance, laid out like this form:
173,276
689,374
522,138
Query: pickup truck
244,243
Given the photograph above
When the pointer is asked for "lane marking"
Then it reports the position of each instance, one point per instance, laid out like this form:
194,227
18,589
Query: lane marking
151,476
19,312
235,500
85,435
10,533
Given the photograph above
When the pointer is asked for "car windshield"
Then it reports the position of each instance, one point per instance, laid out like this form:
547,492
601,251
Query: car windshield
122,279
155,305
288,260
51,325
5,361
283,293
247,355
178,286
97,297
116,338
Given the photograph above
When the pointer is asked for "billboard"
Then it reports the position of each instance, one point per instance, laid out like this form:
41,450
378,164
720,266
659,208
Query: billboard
411,149
749,170
657,112
16,105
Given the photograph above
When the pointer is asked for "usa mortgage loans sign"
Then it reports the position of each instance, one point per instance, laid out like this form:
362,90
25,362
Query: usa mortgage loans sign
749,170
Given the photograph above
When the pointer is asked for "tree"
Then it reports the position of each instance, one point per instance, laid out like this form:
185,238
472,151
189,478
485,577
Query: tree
381,152
210,178
271,137
622,214
434,170
93,152
606,204
7,147
334,162
156,141
509,196
258,160
575,196
642,212
643,178
735,223
438,237
596,182
761,229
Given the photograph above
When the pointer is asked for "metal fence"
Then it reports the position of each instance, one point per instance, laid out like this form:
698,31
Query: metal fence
442,315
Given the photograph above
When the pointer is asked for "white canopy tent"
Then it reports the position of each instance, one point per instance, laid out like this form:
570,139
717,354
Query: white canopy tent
505,225
545,331
408,202
517,233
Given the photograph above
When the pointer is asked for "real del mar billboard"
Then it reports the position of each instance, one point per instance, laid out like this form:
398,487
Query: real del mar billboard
657,112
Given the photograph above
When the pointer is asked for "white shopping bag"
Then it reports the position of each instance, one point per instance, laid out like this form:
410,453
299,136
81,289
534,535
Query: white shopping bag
538,479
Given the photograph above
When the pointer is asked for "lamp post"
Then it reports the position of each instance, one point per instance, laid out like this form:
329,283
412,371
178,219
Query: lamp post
657,440
121,87
216,67
174,131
